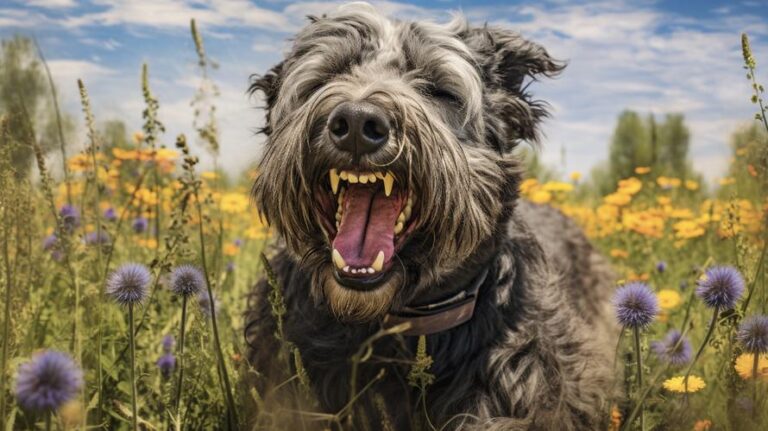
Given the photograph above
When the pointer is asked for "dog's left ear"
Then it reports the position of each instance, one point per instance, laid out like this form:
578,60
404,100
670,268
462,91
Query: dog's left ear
506,60
269,85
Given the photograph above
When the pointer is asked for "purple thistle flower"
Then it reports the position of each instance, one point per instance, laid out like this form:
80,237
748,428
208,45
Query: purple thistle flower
97,238
166,364
204,301
110,214
230,266
47,381
140,224
187,280
668,349
51,243
128,284
722,287
70,218
636,305
238,242
661,266
168,343
753,334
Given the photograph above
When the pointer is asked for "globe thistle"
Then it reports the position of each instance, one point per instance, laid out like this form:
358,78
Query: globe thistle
166,364
70,218
51,244
110,214
636,305
674,348
168,343
753,334
128,284
230,266
721,287
187,280
661,266
204,301
97,238
140,224
47,381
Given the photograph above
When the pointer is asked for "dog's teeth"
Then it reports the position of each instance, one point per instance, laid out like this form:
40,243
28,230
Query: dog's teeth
371,270
363,178
389,180
334,174
401,218
344,175
354,271
378,263
407,212
352,178
345,269
379,175
398,228
371,178
338,217
337,259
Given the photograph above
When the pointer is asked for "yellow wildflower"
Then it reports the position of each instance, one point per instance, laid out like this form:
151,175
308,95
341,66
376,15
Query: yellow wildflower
642,170
209,175
619,253
727,181
745,363
230,249
668,299
138,137
702,425
234,203
557,186
528,185
663,200
540,197
630,186
618,199
677,384
575,176
691,185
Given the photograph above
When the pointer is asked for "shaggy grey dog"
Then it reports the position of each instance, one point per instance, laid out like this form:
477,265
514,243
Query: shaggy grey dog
388,173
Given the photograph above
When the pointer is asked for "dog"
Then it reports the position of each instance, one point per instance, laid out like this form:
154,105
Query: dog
390,176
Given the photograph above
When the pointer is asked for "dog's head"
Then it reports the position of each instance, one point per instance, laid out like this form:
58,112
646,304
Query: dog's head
387,162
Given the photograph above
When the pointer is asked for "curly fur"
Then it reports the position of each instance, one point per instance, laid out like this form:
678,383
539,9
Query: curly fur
535,354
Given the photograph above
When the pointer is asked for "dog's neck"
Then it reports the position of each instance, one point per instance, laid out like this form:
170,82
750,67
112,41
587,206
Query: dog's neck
448,304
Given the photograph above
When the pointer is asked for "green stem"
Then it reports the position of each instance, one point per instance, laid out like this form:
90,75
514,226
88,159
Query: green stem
233,423
48,421
639,357
131,340
701,348
181,356
6,323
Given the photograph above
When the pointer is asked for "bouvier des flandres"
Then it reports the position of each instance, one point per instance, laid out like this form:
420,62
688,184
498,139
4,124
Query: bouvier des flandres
389,173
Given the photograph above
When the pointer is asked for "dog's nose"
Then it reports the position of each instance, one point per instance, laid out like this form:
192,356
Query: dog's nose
358,128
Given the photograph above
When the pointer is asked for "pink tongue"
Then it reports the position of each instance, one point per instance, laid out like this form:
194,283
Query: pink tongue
367,225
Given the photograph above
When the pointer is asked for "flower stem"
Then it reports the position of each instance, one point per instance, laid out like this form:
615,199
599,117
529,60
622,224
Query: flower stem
639,356
232,413
711,329
48,421
131,341
181,356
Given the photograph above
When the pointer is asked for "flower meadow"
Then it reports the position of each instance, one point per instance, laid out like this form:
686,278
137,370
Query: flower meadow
125,277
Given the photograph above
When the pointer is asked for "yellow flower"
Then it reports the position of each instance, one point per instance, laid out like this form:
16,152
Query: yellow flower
619,253
642,170
540,197
230,249
688,229
691,185
149,243
575,176
745,363
557,186
668,299
727,181
618,199
615,424
663,200
234,203
630,186
528,185
702,425
138,137
676,384
209,175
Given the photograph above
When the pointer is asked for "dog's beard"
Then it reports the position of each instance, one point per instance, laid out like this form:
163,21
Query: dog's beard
351,305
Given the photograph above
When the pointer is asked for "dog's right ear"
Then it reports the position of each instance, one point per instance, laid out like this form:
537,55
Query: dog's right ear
269,85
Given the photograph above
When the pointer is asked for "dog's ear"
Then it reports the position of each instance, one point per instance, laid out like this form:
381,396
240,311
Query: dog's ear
507,59
269,85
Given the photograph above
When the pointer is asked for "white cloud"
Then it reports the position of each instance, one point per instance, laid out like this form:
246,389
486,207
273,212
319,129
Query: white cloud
50,4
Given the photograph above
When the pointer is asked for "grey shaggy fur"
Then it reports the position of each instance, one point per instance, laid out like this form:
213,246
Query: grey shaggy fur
536,353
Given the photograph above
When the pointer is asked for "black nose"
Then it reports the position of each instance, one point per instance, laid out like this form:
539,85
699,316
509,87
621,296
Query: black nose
358,128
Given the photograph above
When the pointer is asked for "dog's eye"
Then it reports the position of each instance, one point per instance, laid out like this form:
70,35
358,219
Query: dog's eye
443,95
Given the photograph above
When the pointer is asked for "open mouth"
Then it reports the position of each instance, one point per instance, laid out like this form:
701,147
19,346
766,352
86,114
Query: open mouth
367,218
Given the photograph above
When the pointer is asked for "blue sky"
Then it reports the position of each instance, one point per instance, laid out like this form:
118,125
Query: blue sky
651,56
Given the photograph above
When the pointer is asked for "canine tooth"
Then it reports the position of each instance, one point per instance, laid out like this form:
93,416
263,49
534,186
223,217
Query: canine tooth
345,269
337,259
389,180
407,212
379,175
371,178
363,178
378,263
371,270
334,180
401,218
398,228
352,178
